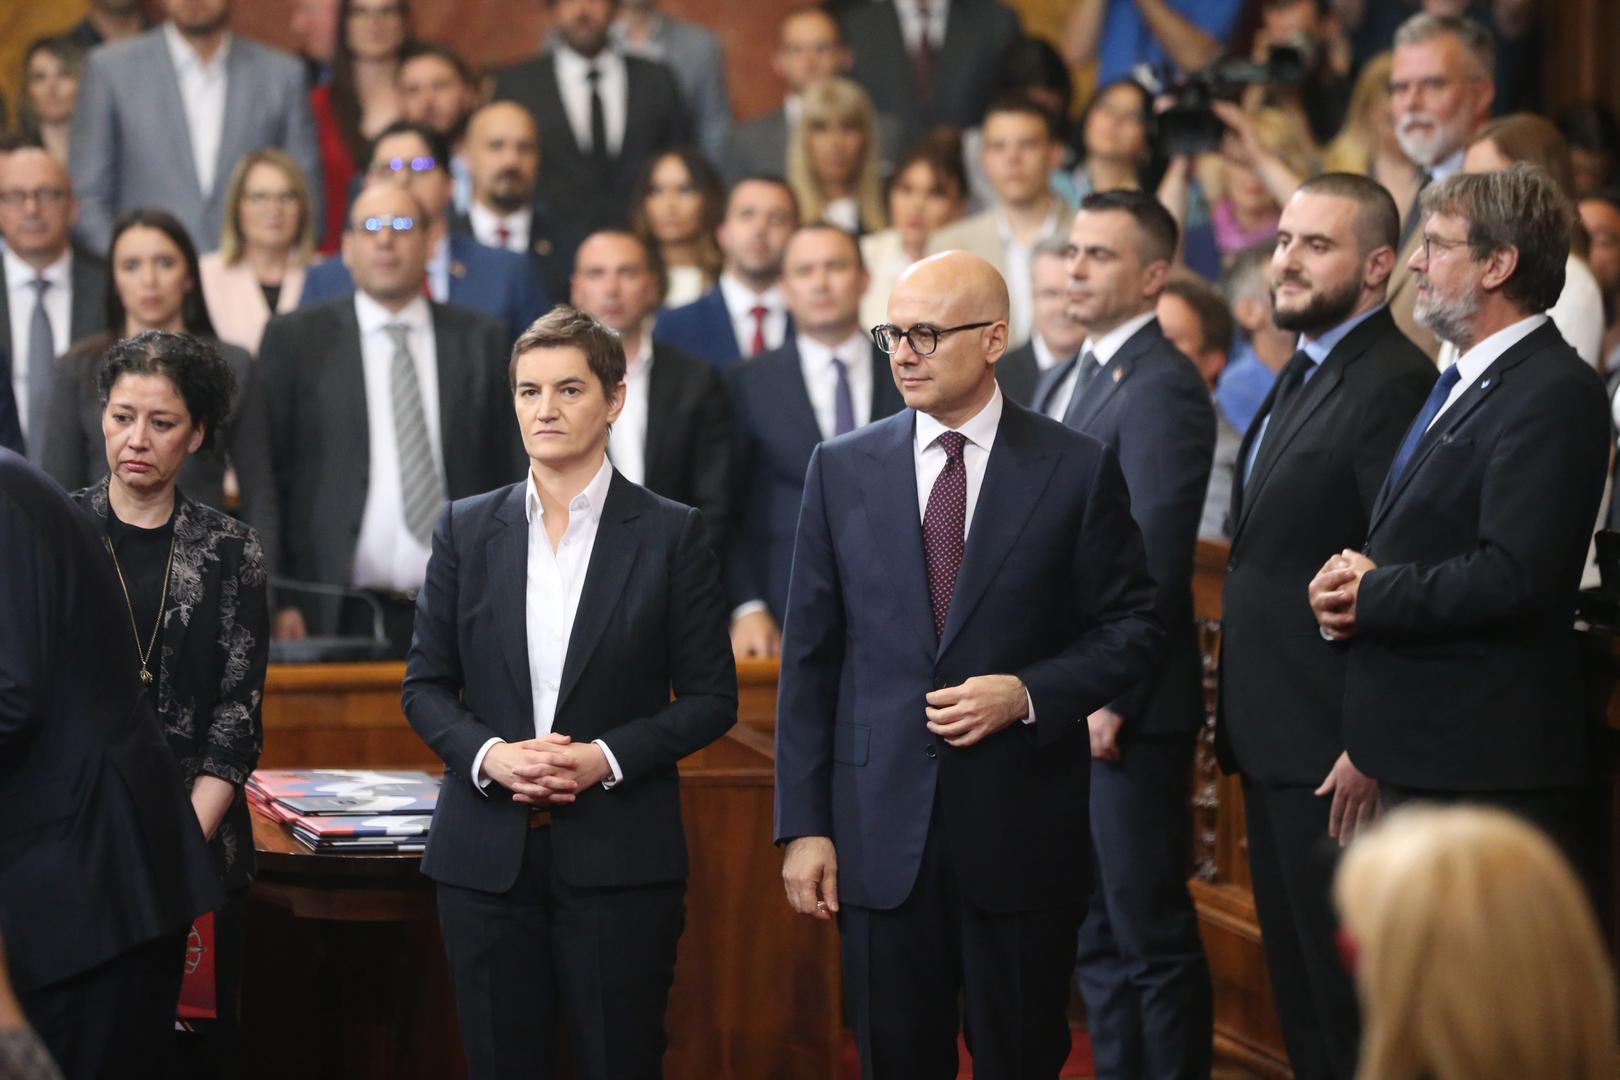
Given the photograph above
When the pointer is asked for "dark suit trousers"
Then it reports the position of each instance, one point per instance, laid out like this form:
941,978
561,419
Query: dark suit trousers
99,1022
1292,860
600,959
905,968
1140,962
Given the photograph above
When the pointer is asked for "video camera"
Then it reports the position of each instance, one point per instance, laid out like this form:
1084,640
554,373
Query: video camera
1189,125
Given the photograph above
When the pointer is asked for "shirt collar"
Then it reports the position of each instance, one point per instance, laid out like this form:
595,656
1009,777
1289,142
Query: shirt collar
1447,165
854,351
1045,358
486,221
372,316
1319,349
980,430
1105,347
571,64
1472,364
590,500
641,363
19,275
740,299
186,58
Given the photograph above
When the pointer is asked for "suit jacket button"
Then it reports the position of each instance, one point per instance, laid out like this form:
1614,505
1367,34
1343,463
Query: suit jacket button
930,751
1231,564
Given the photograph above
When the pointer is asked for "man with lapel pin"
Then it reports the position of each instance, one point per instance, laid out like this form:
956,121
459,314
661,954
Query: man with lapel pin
602,115
1463,678
560,615
1304,482
1141,964
383,405
673,435
161,118
967,586
52,292
828,380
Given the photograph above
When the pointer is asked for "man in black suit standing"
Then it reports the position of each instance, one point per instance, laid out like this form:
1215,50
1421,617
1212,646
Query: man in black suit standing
929,63
602,115
51,293
503,157
559,614
102,865
1463,677
382,405
1304,481
673,435
1141,962
828,380
967,586
1055,334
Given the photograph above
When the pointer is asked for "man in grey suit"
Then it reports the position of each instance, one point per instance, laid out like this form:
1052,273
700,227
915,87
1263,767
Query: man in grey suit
162,118
811,49
383,405
693,54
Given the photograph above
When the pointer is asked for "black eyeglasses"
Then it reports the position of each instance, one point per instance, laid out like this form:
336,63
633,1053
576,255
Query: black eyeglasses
45,196
923,338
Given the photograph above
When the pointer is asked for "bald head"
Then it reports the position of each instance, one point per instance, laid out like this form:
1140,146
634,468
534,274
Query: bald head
951,314
503,156
962,282
37,207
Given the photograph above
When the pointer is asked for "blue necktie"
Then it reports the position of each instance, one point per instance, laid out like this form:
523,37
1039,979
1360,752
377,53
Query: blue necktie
1420,426
843,401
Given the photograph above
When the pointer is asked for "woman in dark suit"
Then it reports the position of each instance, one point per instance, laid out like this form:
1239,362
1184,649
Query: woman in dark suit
154,284
192,581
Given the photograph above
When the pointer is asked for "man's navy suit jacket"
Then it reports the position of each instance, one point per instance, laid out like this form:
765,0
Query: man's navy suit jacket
1053,588
703,328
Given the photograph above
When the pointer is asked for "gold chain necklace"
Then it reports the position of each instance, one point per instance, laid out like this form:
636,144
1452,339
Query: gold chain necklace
163,597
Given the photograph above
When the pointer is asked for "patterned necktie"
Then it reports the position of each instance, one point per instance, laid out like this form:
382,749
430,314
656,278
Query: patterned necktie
421,488
1420,425
758,311
922,58
1084,375
944,524
41,361
599,140
843,401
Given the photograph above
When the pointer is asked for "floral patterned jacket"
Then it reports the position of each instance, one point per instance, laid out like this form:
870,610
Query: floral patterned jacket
215,646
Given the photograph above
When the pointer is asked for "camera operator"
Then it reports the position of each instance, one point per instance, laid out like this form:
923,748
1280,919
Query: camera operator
1311,32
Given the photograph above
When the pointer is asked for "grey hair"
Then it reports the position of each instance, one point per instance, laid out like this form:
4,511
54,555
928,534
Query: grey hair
1521,207
1475,38
1052,245
1248,277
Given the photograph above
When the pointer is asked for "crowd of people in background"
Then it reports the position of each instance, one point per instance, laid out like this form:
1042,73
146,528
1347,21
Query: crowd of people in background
286,288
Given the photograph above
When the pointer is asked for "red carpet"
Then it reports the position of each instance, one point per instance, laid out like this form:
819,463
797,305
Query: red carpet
1078,1065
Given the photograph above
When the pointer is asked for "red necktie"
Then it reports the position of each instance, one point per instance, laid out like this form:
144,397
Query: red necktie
758,312
943,526
922,58
503,237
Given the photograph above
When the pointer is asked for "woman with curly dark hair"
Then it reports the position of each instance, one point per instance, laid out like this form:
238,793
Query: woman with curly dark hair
192,583
154,284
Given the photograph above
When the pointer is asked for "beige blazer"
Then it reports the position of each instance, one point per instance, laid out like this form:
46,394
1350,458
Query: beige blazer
976,233
236,302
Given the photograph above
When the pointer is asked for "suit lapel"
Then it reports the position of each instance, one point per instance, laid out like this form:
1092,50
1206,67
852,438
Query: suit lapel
509,576
5,312
89,297
612,557
1050,380
1014,478
891,508
1315,393
886,399
238,95
447,345
660,403
788,378
168,94
344,384
1116,373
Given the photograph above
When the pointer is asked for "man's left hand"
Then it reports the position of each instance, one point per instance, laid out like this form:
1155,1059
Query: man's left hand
1334,590
584,762
966,713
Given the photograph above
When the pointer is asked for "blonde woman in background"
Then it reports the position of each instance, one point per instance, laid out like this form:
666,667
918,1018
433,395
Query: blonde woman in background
266,245
832,161
1475,952
1367,145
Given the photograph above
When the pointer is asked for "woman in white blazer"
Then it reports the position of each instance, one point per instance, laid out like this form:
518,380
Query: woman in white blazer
267,242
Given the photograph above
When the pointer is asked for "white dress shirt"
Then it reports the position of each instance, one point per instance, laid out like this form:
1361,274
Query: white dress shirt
1021,272
844,213
911,23
740,302
575,90
556,578
438,270
1103,349
627,442
821,379
21,297
387,555
1472,364
1045,358
202,97
929,459
486,227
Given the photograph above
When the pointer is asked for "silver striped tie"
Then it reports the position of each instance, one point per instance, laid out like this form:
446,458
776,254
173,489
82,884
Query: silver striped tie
421,487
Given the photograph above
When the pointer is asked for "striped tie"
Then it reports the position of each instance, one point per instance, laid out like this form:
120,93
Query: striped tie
421,488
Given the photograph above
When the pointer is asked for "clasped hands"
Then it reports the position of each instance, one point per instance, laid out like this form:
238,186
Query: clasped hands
548,771
1332,593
